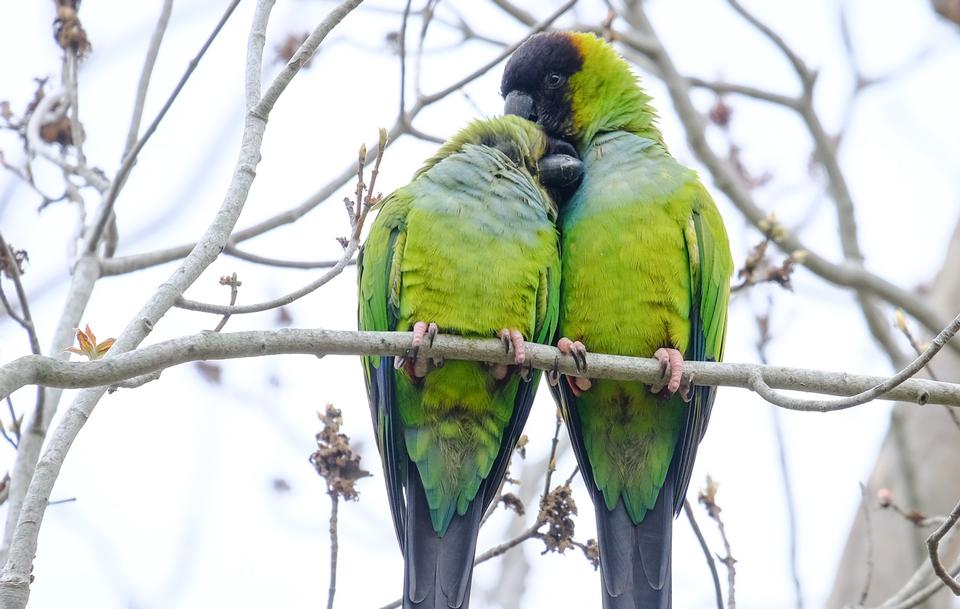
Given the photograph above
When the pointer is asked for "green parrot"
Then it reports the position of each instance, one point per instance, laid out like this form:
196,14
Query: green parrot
470,246
646,272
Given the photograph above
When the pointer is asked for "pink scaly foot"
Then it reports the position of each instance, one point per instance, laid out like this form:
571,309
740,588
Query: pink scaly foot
511,339
671,371
576,349
415,365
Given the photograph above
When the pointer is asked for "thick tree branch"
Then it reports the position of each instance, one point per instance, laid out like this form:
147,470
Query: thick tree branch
16,575
85,275
32,369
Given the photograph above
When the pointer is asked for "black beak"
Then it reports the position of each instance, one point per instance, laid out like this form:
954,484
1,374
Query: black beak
520,104
559,170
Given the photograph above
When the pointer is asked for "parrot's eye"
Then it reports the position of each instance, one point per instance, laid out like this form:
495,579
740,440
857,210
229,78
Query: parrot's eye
553,80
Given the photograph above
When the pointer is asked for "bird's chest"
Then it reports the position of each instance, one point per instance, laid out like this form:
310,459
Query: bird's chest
626,276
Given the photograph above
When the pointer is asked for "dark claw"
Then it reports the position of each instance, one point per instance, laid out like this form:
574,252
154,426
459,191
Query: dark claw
525,372
553,375
431,333
412,353
505,339
580,359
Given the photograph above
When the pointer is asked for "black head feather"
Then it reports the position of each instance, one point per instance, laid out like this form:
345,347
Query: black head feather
541,69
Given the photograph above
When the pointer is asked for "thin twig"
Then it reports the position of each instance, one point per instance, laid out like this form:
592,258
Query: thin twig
110,198
868,524
530,533
916,596
277,262
26,319
234,283
71,61
933,548
15,422
757,383
402,51
847,274
357,213
904,327
708,497
707,554
334,547
794,59
763,341
62,501
507,52
825,149
552,459
128,264
573,474
153,50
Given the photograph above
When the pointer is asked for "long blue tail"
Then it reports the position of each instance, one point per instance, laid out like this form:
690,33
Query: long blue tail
635,558
437,570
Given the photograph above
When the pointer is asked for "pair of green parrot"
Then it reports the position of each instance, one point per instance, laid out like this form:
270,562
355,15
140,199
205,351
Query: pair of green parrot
491,239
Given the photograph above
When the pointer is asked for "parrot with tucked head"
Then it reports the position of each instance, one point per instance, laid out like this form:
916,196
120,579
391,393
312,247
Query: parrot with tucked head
646,270
469,247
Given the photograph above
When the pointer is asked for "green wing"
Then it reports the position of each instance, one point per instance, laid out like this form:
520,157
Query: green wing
710,268
379,278
470,244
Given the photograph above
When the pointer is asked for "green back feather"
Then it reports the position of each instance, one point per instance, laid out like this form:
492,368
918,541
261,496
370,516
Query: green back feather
661,285
471,245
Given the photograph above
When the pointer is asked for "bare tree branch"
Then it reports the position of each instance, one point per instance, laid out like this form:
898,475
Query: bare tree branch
933,547
85,275
16,575
105,212
334,547
757,383
403,125
708,497
149,61
707,554
33,369
867,580
848,274
277,262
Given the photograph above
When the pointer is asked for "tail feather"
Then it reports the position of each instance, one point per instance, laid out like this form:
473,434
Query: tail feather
635,558
438,570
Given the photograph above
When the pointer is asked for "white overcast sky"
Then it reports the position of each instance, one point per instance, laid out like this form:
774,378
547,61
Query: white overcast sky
176,505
